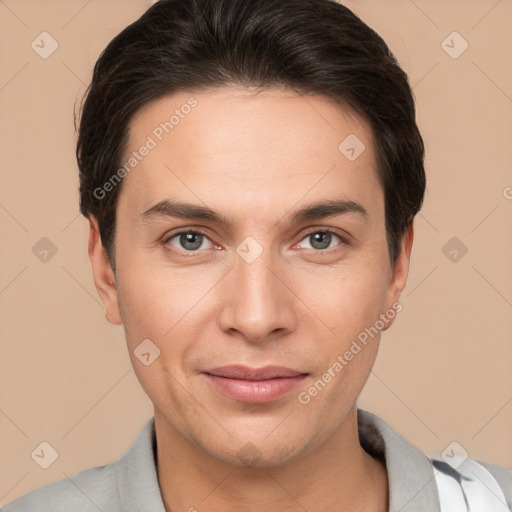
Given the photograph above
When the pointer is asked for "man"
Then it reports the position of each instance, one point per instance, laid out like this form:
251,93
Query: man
251,170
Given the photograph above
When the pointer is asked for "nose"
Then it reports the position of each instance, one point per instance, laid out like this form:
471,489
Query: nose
257,303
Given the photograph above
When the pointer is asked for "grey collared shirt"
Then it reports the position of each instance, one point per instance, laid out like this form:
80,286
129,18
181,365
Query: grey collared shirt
130,483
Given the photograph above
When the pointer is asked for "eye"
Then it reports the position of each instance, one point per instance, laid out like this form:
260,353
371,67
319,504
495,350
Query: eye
195,241
321,239
188,241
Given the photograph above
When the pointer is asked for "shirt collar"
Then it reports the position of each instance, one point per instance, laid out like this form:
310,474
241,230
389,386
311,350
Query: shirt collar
137,474
412,485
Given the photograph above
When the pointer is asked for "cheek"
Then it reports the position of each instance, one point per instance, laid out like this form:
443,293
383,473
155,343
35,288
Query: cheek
347,300
350,306
155,300
171,308
156,312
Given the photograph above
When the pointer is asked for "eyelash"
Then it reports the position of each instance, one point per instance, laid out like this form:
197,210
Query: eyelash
192,254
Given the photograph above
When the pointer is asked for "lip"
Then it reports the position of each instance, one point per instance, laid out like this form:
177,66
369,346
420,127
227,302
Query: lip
254,385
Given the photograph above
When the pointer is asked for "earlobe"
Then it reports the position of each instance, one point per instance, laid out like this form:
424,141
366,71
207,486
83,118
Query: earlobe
104,277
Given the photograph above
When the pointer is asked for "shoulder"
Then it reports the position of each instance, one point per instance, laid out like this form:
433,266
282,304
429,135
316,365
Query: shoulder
128,483
410,473
91,489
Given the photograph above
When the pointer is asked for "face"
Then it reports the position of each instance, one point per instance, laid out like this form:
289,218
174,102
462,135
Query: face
250,258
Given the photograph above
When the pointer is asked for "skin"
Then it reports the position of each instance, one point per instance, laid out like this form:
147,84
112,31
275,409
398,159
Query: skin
256,159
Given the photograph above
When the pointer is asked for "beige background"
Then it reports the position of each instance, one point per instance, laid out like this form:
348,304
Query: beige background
444,370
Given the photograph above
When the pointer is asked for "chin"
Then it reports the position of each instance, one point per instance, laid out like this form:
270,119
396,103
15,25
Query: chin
256,453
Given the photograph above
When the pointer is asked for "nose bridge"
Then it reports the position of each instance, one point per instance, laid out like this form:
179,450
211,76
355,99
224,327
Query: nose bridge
255,302
258,276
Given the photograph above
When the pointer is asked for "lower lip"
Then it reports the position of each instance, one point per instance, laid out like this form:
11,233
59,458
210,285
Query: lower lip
254,391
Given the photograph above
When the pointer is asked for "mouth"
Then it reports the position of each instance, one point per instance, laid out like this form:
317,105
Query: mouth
254,385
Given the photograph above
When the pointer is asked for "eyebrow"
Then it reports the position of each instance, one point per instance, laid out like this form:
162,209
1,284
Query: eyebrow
314,211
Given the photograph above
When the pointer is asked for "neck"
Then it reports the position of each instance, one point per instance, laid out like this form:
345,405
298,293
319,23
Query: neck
337,475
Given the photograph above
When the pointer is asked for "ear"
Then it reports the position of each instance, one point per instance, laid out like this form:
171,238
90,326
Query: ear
399,273
104,277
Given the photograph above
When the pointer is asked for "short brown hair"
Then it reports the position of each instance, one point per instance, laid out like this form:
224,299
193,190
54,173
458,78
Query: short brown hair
315,47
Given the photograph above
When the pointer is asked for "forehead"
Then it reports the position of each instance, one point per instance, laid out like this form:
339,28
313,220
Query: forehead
211,145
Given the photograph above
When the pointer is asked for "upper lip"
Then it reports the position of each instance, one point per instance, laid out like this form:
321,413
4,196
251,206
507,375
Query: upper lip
247,373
